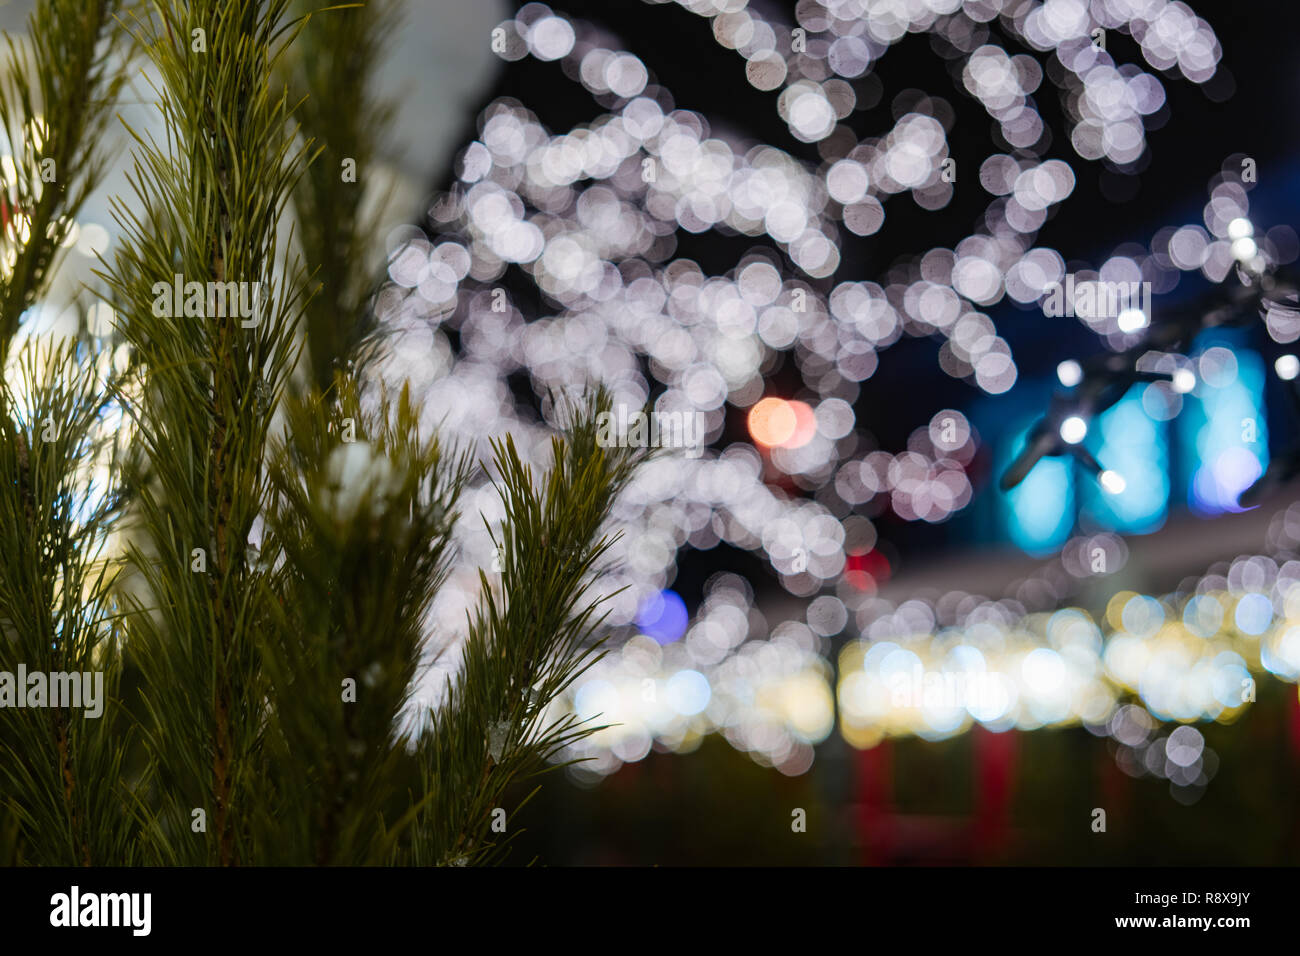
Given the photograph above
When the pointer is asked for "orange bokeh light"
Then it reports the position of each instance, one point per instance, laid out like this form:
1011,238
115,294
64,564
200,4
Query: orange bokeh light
805,425
776,422
771,421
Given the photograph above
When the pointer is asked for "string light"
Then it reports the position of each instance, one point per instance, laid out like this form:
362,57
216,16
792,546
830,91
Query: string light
591,215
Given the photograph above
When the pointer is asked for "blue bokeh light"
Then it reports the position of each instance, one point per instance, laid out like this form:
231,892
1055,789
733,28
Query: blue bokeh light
1224,431
1254,614
663,616
1137,448
1040,510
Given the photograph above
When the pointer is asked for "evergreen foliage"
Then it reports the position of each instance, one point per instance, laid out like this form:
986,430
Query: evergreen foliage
228,519
60,775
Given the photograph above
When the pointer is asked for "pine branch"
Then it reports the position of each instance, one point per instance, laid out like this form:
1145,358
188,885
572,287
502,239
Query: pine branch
210,198
60,760
72,44
525,644
360,531
60,770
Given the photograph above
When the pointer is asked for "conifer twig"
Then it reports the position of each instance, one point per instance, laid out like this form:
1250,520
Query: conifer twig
210,198
527,641
54,608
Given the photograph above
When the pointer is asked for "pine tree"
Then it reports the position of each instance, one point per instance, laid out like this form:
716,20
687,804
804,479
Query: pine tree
286,520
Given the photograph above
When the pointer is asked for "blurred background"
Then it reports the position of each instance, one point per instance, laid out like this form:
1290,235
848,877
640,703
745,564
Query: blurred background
845,614
830,228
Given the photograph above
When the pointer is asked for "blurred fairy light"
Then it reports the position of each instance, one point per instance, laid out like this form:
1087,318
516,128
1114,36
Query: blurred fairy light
767,694
591,216
1074,430
933,670
1069,373
1112,482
